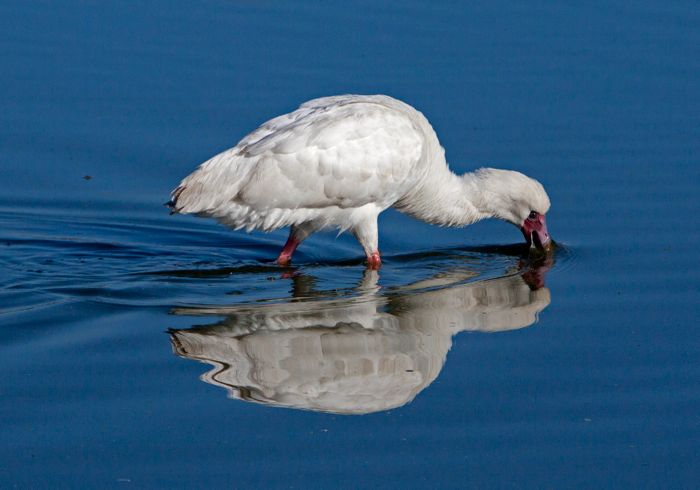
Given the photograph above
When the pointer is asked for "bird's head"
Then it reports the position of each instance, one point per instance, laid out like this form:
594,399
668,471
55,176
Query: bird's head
518,199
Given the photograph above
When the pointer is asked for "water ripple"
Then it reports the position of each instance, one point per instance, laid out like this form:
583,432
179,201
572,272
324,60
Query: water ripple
161,262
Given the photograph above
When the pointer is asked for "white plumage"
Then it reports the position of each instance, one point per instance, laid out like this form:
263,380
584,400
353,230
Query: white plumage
339,162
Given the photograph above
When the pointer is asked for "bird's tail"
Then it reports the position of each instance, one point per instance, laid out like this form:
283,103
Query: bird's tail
174,195
214,184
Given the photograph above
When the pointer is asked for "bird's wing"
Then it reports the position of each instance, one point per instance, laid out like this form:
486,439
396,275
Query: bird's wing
339,155
336,151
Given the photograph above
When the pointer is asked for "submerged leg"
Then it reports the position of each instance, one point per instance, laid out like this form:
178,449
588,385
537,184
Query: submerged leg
285,256
374,261
367,234
297,234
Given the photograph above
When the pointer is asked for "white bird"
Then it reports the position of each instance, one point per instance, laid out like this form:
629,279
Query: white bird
340,161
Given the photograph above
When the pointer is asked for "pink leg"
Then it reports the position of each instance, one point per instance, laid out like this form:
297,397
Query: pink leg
286,254
374,261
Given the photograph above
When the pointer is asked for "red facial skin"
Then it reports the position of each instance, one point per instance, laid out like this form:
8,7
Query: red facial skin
534,229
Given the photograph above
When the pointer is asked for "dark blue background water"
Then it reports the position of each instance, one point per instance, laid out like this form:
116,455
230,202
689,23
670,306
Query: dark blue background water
599,101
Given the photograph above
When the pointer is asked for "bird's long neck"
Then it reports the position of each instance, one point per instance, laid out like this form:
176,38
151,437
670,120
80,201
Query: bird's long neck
446,199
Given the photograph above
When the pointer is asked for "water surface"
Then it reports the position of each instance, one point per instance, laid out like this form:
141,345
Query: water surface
144,349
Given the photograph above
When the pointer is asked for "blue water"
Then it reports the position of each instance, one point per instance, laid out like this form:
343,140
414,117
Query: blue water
147,350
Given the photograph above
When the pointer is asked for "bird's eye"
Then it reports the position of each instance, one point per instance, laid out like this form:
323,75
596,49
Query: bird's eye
532,216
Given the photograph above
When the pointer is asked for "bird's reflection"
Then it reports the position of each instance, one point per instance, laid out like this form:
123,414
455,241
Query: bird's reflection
370,352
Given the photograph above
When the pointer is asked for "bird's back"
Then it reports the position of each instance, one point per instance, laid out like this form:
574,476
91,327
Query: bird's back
332,153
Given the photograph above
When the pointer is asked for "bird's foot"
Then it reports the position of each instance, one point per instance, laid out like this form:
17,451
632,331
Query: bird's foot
374,261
